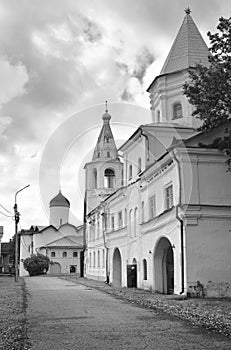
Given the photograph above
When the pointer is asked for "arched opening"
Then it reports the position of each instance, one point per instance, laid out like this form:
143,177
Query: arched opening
164,267
132,274
117,265
95,178
55,269
109,178
72,269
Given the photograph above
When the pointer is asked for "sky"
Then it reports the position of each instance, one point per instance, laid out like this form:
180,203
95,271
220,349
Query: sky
59,61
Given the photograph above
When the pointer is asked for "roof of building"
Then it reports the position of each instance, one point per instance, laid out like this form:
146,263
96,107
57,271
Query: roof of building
105,141
59,201
188,49
67,242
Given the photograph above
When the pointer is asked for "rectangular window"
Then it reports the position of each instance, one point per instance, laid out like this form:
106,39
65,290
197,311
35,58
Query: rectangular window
142,211
90,263
112,223
120,219
94,259
98,258
152,207
169,197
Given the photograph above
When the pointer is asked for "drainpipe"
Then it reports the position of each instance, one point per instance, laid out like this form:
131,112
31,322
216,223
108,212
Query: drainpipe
84,235
178,206
148,146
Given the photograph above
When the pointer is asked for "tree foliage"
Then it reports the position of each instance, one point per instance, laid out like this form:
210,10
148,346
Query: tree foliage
36,264
209,87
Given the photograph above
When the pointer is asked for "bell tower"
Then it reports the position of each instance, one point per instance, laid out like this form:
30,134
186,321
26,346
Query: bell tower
168,103
103,175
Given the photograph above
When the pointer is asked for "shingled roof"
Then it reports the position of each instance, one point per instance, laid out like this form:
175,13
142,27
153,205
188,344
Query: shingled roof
188,49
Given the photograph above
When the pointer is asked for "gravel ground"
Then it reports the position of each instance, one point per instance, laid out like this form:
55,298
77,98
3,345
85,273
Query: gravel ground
12,314
213,314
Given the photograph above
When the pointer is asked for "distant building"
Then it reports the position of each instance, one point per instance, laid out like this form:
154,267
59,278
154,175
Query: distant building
60,241
161,219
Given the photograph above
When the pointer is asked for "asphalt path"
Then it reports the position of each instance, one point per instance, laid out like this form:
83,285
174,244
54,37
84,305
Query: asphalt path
64,315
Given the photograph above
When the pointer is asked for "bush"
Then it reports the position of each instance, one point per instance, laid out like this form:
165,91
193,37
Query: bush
36,264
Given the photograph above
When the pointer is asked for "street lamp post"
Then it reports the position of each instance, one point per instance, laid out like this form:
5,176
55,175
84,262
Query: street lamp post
16,218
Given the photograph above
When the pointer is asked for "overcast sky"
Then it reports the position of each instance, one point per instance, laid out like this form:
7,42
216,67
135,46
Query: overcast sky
59,61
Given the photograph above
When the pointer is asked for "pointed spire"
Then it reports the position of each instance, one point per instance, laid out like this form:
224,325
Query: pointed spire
188,49
105,148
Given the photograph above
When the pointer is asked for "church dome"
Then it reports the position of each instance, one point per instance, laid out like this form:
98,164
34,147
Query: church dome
59,201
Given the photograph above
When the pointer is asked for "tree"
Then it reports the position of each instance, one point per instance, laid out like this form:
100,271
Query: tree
36,264
209,88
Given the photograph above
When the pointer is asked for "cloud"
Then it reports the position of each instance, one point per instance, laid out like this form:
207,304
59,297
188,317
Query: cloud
13,80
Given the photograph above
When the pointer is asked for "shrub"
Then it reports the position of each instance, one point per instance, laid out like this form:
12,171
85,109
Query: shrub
36,264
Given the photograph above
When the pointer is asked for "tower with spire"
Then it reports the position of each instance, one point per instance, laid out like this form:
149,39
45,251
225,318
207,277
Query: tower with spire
168,104
103,175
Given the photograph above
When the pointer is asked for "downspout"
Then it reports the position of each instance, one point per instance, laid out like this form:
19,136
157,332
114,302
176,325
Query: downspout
148,146
178,206
82,269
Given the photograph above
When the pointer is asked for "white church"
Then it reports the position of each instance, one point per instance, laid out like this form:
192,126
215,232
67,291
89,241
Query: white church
61,241
158,209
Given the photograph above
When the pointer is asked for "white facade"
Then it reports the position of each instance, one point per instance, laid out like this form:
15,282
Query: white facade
62,242
168,227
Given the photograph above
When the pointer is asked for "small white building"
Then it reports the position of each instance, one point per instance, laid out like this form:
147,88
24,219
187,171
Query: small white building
165,225
60,241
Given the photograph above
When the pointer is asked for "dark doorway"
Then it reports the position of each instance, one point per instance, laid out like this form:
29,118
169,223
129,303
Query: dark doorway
164,267
132,276
82,264
117,264
72,269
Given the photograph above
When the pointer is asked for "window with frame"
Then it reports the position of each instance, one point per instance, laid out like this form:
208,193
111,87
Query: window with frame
120,219
112,222
145,270
158,116
64,254
94,259
53,254
75,255
152,207
95,177
177,111
169,196
125,216
90,262
98,255
130,172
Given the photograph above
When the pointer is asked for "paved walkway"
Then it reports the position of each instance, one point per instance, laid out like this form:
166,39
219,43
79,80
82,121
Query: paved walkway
65,315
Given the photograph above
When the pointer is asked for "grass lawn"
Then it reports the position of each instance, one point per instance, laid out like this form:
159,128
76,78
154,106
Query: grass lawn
12,314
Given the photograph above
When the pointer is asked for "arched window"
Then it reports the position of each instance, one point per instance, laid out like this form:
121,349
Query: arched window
109,178
177,111
64,254
145,270
139,166
53,254
95,178
158,116
90,261
75,254
130,172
